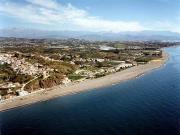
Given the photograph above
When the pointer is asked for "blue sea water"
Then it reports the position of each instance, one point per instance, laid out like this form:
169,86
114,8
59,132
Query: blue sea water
148,105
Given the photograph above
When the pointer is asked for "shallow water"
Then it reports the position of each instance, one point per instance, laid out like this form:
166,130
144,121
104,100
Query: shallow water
148,105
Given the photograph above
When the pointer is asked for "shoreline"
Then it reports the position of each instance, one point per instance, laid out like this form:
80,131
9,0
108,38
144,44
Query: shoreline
74,88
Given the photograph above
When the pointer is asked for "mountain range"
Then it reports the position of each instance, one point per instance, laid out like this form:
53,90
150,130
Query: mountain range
109,36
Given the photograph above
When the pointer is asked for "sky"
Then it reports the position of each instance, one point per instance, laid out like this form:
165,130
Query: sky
91,15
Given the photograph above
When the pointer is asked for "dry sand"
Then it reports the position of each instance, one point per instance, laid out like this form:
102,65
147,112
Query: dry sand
58,91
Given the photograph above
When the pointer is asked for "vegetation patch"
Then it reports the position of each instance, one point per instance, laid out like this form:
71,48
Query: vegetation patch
74,77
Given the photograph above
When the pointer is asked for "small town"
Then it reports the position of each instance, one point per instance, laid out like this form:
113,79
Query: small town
27,67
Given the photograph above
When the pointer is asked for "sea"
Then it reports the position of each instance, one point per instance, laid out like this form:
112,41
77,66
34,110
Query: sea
148,105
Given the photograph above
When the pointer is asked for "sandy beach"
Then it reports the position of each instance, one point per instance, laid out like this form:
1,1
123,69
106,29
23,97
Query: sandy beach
74,88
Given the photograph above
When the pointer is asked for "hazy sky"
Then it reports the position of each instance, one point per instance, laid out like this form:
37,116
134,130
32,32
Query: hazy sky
91,15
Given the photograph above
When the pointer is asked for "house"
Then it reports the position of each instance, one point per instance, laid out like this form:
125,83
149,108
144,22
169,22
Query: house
23,93
122,66
110,70
66,80
100,60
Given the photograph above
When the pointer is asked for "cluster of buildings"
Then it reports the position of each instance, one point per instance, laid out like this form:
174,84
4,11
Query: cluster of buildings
92,74
119,67
22,66
8,87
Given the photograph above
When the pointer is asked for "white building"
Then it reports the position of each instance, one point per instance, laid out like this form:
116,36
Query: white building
66,80
122,66
23,93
